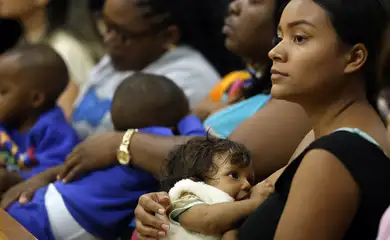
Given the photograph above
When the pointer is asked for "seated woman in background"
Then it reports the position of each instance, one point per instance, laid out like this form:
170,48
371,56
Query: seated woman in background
43,21
177,39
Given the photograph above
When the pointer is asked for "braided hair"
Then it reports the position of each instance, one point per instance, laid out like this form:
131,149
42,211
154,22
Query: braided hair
200,23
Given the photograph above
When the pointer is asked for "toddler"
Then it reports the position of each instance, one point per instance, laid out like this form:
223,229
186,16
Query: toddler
210,182
34,134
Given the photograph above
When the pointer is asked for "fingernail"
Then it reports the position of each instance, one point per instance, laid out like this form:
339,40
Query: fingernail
165,227
161,234
161,211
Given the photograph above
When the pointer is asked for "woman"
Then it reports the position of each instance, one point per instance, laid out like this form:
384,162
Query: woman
43,21
341,90
156,37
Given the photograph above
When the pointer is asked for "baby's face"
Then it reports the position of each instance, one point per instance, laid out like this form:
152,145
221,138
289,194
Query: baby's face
235,181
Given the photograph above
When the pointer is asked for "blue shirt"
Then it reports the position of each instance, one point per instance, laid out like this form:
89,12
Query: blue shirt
222,123
45,145
103,201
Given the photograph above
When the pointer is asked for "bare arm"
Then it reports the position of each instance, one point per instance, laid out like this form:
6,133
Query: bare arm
67,98
272,135
230,235
217,218
325,197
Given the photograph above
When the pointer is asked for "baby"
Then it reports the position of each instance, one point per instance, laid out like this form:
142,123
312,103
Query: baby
34,134
210,182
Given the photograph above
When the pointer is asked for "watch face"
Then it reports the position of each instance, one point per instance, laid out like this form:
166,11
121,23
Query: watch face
123,157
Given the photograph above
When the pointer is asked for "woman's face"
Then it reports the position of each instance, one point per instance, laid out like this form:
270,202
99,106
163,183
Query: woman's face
309,62
249,28
130,38
17,8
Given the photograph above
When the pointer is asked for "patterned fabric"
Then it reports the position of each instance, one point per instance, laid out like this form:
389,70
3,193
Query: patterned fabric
45,145
185,202
12,157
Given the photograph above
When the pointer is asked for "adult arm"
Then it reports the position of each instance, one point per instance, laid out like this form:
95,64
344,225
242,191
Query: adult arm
67,98
272,135
325,197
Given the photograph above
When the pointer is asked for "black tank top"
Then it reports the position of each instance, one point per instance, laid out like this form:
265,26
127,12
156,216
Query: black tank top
367,164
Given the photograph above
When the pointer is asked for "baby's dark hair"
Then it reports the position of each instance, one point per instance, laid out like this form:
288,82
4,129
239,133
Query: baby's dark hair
195,159
41,67
145,100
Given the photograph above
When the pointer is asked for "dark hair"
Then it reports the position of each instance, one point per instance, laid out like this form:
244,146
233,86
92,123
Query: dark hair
145,100
200,23
12,30
263,84
44,69
194,159
360,21
56,14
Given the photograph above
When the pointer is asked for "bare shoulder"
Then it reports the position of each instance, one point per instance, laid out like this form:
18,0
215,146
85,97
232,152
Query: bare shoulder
325,196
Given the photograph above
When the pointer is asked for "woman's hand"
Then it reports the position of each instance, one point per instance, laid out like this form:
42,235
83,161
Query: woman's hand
148,226
96,152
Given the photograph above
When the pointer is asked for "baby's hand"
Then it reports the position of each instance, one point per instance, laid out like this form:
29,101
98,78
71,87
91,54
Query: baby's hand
262,190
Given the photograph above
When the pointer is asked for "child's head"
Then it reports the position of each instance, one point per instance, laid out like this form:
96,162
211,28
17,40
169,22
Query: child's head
145,100
32,77
221,163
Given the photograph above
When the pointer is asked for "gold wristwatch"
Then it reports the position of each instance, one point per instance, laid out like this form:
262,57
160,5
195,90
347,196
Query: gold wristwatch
123,155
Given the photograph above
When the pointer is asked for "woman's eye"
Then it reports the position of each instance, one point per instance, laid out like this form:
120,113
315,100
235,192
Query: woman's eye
234,175
299,39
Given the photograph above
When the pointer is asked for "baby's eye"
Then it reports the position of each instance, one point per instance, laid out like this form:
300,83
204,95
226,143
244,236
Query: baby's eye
234,175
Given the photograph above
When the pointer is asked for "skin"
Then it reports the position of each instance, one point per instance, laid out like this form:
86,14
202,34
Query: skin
131,39
328,213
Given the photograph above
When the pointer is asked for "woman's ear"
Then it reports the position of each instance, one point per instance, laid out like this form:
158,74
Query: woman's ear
171,37
356,58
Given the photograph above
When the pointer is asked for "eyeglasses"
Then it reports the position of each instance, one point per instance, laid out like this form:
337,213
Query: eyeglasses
124,35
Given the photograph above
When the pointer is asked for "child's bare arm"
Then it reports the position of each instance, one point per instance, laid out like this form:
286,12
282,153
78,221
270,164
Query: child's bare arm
217,218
